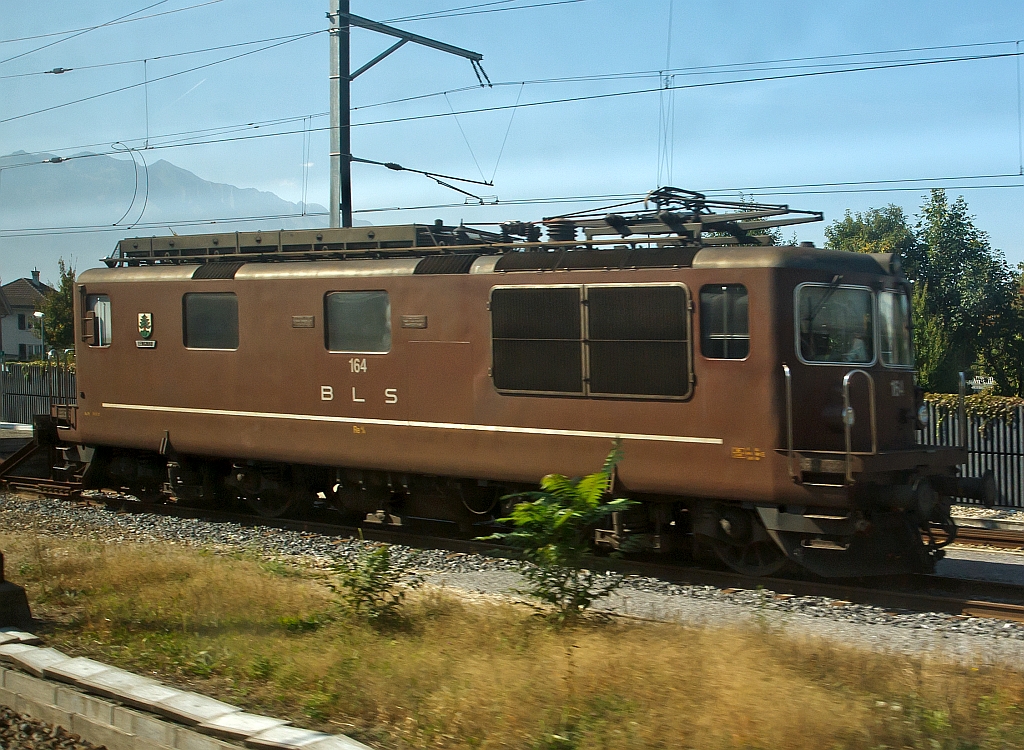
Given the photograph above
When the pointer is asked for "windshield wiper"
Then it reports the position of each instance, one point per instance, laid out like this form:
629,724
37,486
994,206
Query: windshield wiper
828,294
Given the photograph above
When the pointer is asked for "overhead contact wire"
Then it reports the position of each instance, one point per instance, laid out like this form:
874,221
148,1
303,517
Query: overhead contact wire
81,32
161,78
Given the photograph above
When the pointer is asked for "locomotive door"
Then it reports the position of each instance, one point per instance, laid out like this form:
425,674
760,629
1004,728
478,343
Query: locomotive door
833,390
859,412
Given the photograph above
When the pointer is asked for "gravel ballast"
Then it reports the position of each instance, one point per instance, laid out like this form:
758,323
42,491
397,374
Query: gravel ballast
965,638
18,732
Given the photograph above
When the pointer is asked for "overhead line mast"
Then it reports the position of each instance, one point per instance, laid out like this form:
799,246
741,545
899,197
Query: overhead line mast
341,102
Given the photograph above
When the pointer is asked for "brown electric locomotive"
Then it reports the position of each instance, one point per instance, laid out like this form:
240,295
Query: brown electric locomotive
764,395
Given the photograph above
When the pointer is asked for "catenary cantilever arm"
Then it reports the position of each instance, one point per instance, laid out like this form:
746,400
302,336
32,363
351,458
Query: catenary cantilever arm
381,28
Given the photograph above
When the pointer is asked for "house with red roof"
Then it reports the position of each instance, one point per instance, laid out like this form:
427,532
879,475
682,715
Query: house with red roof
19,329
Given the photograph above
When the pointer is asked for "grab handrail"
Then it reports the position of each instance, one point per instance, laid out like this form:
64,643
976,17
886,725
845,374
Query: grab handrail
848,419
790,453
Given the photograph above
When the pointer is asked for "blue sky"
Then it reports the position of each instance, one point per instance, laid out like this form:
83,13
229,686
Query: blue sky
950,120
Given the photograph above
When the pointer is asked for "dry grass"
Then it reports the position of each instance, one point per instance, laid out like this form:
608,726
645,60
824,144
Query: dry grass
455,674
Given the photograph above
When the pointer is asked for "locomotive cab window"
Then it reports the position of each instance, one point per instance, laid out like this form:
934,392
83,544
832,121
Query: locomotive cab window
98,308
210,320
358,322
835,324
894,345
724,321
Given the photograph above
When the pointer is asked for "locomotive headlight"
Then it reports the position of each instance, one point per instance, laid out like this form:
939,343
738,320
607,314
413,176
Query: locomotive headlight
922,415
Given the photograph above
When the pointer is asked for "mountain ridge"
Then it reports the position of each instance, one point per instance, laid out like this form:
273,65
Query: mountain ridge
79,206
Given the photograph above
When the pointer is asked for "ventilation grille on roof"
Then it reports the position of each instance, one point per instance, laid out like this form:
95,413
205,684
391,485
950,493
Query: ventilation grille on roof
221,270
445,264
579,260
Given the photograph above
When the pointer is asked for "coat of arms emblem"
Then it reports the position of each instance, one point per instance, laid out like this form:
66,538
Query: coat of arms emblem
145,325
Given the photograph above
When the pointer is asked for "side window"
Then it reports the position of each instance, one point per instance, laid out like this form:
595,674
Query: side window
537,339
724,323
210,320
358,322
21,322
99,306
638,340
895,339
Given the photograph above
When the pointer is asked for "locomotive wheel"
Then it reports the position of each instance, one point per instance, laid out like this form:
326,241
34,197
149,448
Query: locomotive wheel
761,558
739,540
274,503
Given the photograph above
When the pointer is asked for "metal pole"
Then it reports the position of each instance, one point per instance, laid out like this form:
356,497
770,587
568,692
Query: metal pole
341,122
961,410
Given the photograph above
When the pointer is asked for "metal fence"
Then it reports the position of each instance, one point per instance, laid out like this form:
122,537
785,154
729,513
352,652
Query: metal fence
28,390
997,445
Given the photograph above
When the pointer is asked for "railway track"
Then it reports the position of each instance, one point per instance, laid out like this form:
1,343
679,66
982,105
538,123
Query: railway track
1001,538
924,593
921,593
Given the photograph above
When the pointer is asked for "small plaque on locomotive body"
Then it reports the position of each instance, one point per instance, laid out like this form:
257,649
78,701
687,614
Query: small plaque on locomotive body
146,344
414,321
303,321
146,325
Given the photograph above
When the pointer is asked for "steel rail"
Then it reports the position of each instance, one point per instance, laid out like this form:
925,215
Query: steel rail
920,593
980,536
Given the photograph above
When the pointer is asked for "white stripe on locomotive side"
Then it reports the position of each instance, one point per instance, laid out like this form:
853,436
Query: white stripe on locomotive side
428,425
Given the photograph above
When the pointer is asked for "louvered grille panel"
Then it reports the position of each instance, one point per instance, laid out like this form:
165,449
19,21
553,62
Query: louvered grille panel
545,366
537,341
637,313
638,341
532,313
640,368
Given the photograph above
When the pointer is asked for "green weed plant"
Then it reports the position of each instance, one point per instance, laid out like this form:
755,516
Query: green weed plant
554,527
374,585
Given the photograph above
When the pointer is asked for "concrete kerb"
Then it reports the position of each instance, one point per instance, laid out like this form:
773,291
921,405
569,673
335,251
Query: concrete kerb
93,707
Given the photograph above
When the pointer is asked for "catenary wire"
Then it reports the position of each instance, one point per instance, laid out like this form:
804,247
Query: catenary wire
612,76
161,78
467,11
109,23
80,33
533,104
596,97
640,196
154,57
450,10
750,190
746,191
704,69
90,228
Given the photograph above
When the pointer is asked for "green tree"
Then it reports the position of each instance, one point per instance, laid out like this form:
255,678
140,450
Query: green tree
967,301
930,341
554,527
58,308
877,230
971,290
